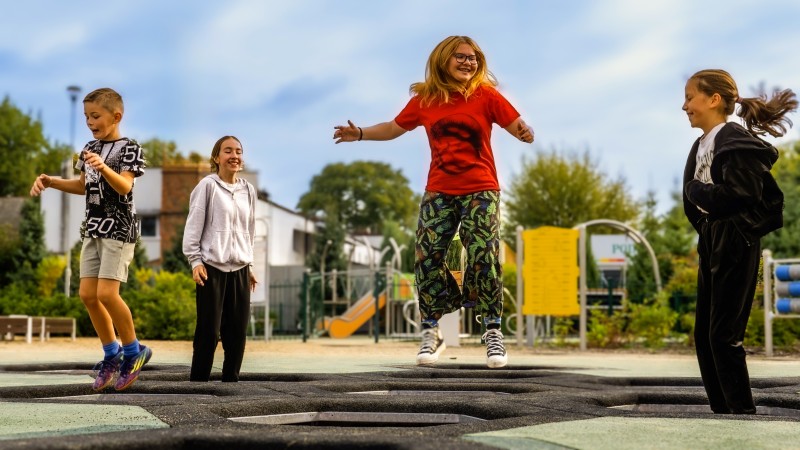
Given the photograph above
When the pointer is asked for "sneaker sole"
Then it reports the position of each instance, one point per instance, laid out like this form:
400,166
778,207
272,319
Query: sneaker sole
495,362
133,379
105,386
431,358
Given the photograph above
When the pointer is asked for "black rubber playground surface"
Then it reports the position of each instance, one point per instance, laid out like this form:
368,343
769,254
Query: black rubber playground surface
450,405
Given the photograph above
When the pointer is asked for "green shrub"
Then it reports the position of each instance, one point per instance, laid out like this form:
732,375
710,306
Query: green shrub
785,332
651,322
164,306
605,331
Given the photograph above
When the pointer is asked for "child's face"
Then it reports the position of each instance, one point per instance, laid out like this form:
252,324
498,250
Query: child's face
702,109
230,159
103,124
463,71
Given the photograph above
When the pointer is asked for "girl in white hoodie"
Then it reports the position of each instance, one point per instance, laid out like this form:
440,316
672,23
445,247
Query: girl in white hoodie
218,241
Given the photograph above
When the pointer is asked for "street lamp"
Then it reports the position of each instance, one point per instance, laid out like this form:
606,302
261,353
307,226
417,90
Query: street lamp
322,266
67,172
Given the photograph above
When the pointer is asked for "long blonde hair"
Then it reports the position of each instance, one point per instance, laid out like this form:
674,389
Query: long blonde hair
439,85
760,116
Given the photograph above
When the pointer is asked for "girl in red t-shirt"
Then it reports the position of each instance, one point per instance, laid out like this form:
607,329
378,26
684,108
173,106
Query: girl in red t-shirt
457,104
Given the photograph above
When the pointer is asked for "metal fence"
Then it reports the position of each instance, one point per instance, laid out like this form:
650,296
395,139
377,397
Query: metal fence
305,308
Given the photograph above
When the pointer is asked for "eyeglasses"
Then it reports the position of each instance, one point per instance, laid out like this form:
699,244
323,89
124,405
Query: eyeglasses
460,58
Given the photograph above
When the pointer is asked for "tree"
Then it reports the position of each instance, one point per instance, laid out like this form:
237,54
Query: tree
361,196
31,250
671,237
785,243
26,152
334,254
563,191
157,153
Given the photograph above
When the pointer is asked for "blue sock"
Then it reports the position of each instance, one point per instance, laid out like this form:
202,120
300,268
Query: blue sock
111,350
429,323
493,323
132,349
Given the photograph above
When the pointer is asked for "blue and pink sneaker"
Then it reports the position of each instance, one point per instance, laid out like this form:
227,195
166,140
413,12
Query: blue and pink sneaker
105,371
130,368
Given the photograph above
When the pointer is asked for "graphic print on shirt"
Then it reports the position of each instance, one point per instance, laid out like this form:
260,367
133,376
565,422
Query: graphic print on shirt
703,169
110,215
456,143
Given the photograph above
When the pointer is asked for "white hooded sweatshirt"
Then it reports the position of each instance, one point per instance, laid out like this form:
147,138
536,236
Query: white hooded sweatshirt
220,228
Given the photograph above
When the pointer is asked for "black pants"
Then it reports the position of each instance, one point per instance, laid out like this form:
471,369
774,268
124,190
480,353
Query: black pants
223,310
726,284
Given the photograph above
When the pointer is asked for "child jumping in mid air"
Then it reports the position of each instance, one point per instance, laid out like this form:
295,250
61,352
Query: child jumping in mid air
457,104
108,167
732,200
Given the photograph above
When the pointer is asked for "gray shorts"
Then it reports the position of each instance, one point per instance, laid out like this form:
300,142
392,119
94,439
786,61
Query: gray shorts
106,258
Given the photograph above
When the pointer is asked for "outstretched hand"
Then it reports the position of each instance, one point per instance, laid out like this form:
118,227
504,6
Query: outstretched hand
347,133
524,132
42,182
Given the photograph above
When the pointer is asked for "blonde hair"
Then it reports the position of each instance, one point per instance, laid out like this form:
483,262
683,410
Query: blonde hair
218,148
107,98
439,85
760,115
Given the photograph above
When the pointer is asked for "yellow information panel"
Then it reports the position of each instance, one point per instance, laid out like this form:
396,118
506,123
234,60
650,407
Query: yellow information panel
550,271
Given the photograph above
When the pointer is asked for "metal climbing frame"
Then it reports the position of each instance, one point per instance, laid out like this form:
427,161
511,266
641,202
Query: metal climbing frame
781,278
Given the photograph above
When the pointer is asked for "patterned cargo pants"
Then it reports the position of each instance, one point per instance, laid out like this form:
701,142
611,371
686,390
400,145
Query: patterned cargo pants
482,285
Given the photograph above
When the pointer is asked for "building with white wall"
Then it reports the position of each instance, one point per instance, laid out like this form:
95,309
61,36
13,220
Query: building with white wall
283,237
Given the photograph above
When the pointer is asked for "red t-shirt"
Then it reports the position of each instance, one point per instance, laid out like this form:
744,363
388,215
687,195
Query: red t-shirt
459,134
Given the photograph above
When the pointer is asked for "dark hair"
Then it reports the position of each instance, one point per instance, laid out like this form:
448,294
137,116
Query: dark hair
759,114
107,98
217,148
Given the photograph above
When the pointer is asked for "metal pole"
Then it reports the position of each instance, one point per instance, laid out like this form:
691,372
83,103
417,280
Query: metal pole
267,323
767,302
307,302
67,174
520,286
582,286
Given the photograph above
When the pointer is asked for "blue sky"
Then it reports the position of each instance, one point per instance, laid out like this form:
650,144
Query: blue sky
604,76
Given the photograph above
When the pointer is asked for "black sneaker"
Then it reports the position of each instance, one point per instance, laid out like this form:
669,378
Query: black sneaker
432,345
495,350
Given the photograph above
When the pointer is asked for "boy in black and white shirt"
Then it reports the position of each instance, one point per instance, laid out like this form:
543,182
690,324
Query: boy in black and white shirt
109,164
109,214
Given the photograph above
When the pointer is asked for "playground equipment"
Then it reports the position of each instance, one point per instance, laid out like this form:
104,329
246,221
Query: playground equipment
546,256
357,315
781,293
400,289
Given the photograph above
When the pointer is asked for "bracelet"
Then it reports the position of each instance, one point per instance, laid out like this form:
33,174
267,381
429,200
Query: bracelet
360,133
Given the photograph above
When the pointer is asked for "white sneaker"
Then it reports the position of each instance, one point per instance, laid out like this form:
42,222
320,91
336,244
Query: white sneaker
432,345
495,350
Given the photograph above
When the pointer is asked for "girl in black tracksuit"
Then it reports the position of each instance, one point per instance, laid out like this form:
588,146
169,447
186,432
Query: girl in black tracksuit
732,200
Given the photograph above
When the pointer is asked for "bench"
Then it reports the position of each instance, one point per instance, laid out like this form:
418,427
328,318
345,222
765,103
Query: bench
29,326
58,325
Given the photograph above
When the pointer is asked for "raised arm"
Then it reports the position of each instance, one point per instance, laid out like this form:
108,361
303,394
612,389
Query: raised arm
520,130
121,182
44,181
385,131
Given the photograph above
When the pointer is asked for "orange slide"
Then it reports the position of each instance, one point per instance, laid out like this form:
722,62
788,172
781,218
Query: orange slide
358,314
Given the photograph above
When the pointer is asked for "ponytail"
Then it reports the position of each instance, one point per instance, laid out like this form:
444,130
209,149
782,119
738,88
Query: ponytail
762,116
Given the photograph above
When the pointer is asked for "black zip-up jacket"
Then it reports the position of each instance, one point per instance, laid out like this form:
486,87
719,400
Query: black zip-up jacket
743,188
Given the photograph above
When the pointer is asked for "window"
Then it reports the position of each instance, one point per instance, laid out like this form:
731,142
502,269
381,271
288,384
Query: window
149,226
